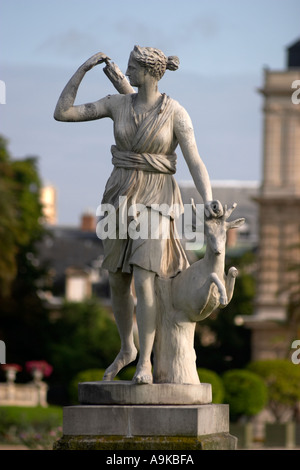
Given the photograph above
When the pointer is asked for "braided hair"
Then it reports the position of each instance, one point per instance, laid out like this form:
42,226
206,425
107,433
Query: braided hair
155,61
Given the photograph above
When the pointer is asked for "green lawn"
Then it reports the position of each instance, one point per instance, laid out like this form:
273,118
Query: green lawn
36,428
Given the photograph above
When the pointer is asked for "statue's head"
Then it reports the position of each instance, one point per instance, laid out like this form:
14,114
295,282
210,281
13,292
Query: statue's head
154,61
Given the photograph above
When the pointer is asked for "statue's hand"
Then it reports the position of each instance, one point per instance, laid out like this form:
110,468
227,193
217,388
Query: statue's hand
117,78
96,59
113,71
213,209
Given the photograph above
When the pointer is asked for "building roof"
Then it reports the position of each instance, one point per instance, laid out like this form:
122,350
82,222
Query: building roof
293,55
65,247
228,192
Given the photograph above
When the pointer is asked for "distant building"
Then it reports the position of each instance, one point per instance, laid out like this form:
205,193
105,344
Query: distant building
74,256
279,212
228,192
88,221
48,200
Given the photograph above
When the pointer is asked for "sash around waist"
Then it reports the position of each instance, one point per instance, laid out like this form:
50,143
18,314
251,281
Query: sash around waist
155,163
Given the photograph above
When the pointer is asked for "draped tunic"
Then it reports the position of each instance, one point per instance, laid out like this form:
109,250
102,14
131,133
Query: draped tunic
144,162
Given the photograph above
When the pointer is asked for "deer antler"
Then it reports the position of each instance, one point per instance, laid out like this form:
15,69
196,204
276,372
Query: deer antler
233,223
193,205
229,211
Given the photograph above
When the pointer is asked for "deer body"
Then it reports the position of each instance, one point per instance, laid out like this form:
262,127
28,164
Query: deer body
189,297
205,284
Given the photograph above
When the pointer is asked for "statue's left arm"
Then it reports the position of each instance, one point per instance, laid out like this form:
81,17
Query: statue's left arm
184,132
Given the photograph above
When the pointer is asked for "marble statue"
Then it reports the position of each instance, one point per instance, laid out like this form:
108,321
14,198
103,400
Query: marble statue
171,295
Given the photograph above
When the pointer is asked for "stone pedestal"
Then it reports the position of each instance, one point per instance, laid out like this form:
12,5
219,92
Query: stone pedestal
121,392
123,416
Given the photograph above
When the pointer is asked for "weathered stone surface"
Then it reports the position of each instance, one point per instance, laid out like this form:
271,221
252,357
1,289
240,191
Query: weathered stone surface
128,393
143,420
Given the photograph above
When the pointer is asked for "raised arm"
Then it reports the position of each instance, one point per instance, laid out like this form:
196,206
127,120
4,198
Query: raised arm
184,132
65,109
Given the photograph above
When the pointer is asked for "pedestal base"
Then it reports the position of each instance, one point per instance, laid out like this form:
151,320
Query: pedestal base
143,423
222,441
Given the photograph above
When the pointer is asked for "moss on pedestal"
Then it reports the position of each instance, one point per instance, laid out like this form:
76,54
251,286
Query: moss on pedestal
222,441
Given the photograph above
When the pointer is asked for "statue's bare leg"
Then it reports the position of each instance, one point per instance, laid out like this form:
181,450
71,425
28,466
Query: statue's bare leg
123,307
146,320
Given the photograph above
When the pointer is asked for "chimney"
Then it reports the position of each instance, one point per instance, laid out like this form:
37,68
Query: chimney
88,222
231,238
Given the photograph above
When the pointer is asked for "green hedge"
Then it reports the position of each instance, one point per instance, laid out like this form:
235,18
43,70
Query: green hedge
245,392
211,377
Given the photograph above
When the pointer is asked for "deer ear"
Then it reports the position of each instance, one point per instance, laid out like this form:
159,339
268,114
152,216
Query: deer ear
236,223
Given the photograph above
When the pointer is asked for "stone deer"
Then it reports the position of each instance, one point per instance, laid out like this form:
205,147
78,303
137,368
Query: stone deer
190,297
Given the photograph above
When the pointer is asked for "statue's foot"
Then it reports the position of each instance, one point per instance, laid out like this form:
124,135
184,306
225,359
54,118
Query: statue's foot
143,375
123,359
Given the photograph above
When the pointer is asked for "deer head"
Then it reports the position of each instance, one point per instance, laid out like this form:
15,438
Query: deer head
216,225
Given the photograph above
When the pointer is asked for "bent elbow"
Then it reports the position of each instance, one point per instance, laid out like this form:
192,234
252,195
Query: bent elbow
59,116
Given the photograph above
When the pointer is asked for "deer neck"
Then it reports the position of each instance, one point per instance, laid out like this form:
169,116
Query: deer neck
213,262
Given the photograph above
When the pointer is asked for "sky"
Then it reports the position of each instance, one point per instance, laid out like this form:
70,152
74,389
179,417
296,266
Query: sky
223,46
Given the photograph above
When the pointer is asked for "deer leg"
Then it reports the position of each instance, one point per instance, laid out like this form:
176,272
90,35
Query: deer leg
221,288
230,282
207,301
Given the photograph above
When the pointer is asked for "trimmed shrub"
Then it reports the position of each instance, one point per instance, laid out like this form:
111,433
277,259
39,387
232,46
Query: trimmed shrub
282,379
211,377
245,392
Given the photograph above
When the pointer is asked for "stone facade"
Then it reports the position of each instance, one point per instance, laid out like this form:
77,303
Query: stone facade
279,216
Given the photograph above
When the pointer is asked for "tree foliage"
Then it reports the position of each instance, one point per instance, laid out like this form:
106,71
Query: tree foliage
24,321
220,342
21,212
83,337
